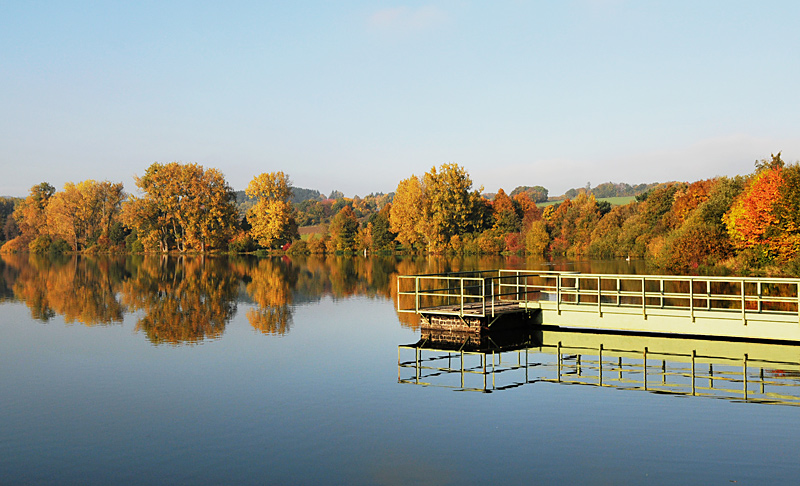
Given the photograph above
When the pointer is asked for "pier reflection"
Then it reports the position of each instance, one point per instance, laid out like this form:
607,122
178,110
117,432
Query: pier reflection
739,371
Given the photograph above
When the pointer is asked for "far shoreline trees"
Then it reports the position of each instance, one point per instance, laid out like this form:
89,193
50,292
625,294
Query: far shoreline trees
745,223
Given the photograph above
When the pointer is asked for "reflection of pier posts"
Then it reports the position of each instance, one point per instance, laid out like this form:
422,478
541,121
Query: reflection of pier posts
558,361
710,375
644,368
462,367
416,358
600,363
777,366
744,375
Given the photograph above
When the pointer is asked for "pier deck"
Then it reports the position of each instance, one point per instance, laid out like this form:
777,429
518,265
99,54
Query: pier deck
731,307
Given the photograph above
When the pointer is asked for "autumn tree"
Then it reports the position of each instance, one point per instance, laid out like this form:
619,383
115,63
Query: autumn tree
405,215
271,216
537,239
448,205
752,217
343,229
528,209
506,218
182,206
788,213
31,217
571,225
83,213
607,236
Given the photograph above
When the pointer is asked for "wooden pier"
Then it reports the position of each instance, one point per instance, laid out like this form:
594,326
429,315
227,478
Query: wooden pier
726,307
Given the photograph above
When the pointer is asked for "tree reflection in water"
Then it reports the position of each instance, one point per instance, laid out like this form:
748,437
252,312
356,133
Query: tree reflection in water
187,299
270,284
79,289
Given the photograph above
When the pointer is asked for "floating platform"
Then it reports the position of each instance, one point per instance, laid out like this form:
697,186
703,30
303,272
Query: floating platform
720,307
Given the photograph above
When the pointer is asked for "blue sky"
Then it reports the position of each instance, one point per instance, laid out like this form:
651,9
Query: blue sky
356,96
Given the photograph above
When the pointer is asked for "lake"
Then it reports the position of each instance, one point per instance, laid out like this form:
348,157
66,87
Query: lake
216,370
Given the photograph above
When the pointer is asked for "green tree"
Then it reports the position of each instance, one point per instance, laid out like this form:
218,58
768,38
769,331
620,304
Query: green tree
448,206
536,193
380,229
343,229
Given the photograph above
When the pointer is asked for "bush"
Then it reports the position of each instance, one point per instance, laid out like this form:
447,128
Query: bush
299,247
133,244
40,245
514,243
489,243
316,244
59,247
242,243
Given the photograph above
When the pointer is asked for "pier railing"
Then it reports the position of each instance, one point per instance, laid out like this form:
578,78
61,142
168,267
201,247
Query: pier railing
482,293
476,294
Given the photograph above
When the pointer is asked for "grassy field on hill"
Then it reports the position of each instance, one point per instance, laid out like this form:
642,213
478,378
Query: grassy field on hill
615,201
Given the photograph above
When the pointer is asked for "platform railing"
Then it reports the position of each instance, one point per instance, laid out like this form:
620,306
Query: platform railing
477,294
731,297
480,293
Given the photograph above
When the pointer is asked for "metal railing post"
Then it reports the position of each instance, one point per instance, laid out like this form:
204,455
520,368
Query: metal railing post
416,295
491,289
744,318
483,297
760,290
558,293
599,298
399,295
644,299
461,310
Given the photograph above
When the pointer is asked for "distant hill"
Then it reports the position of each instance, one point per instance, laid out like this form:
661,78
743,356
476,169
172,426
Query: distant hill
299,195
611,189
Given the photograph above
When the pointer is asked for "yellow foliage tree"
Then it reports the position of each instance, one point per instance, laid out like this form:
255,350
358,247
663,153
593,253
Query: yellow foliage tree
271,216
183,206
405,215
31,217
84,212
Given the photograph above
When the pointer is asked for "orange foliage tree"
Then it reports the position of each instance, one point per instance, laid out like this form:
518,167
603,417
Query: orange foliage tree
752,217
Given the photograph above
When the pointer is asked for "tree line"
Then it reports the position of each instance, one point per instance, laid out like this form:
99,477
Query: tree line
743,222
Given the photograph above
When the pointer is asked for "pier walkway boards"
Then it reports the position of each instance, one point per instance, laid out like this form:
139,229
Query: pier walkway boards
729,307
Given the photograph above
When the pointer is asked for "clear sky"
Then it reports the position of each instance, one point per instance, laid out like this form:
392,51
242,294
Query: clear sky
356,96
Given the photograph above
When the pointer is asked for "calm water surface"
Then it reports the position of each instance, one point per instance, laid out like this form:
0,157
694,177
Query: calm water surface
285,371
